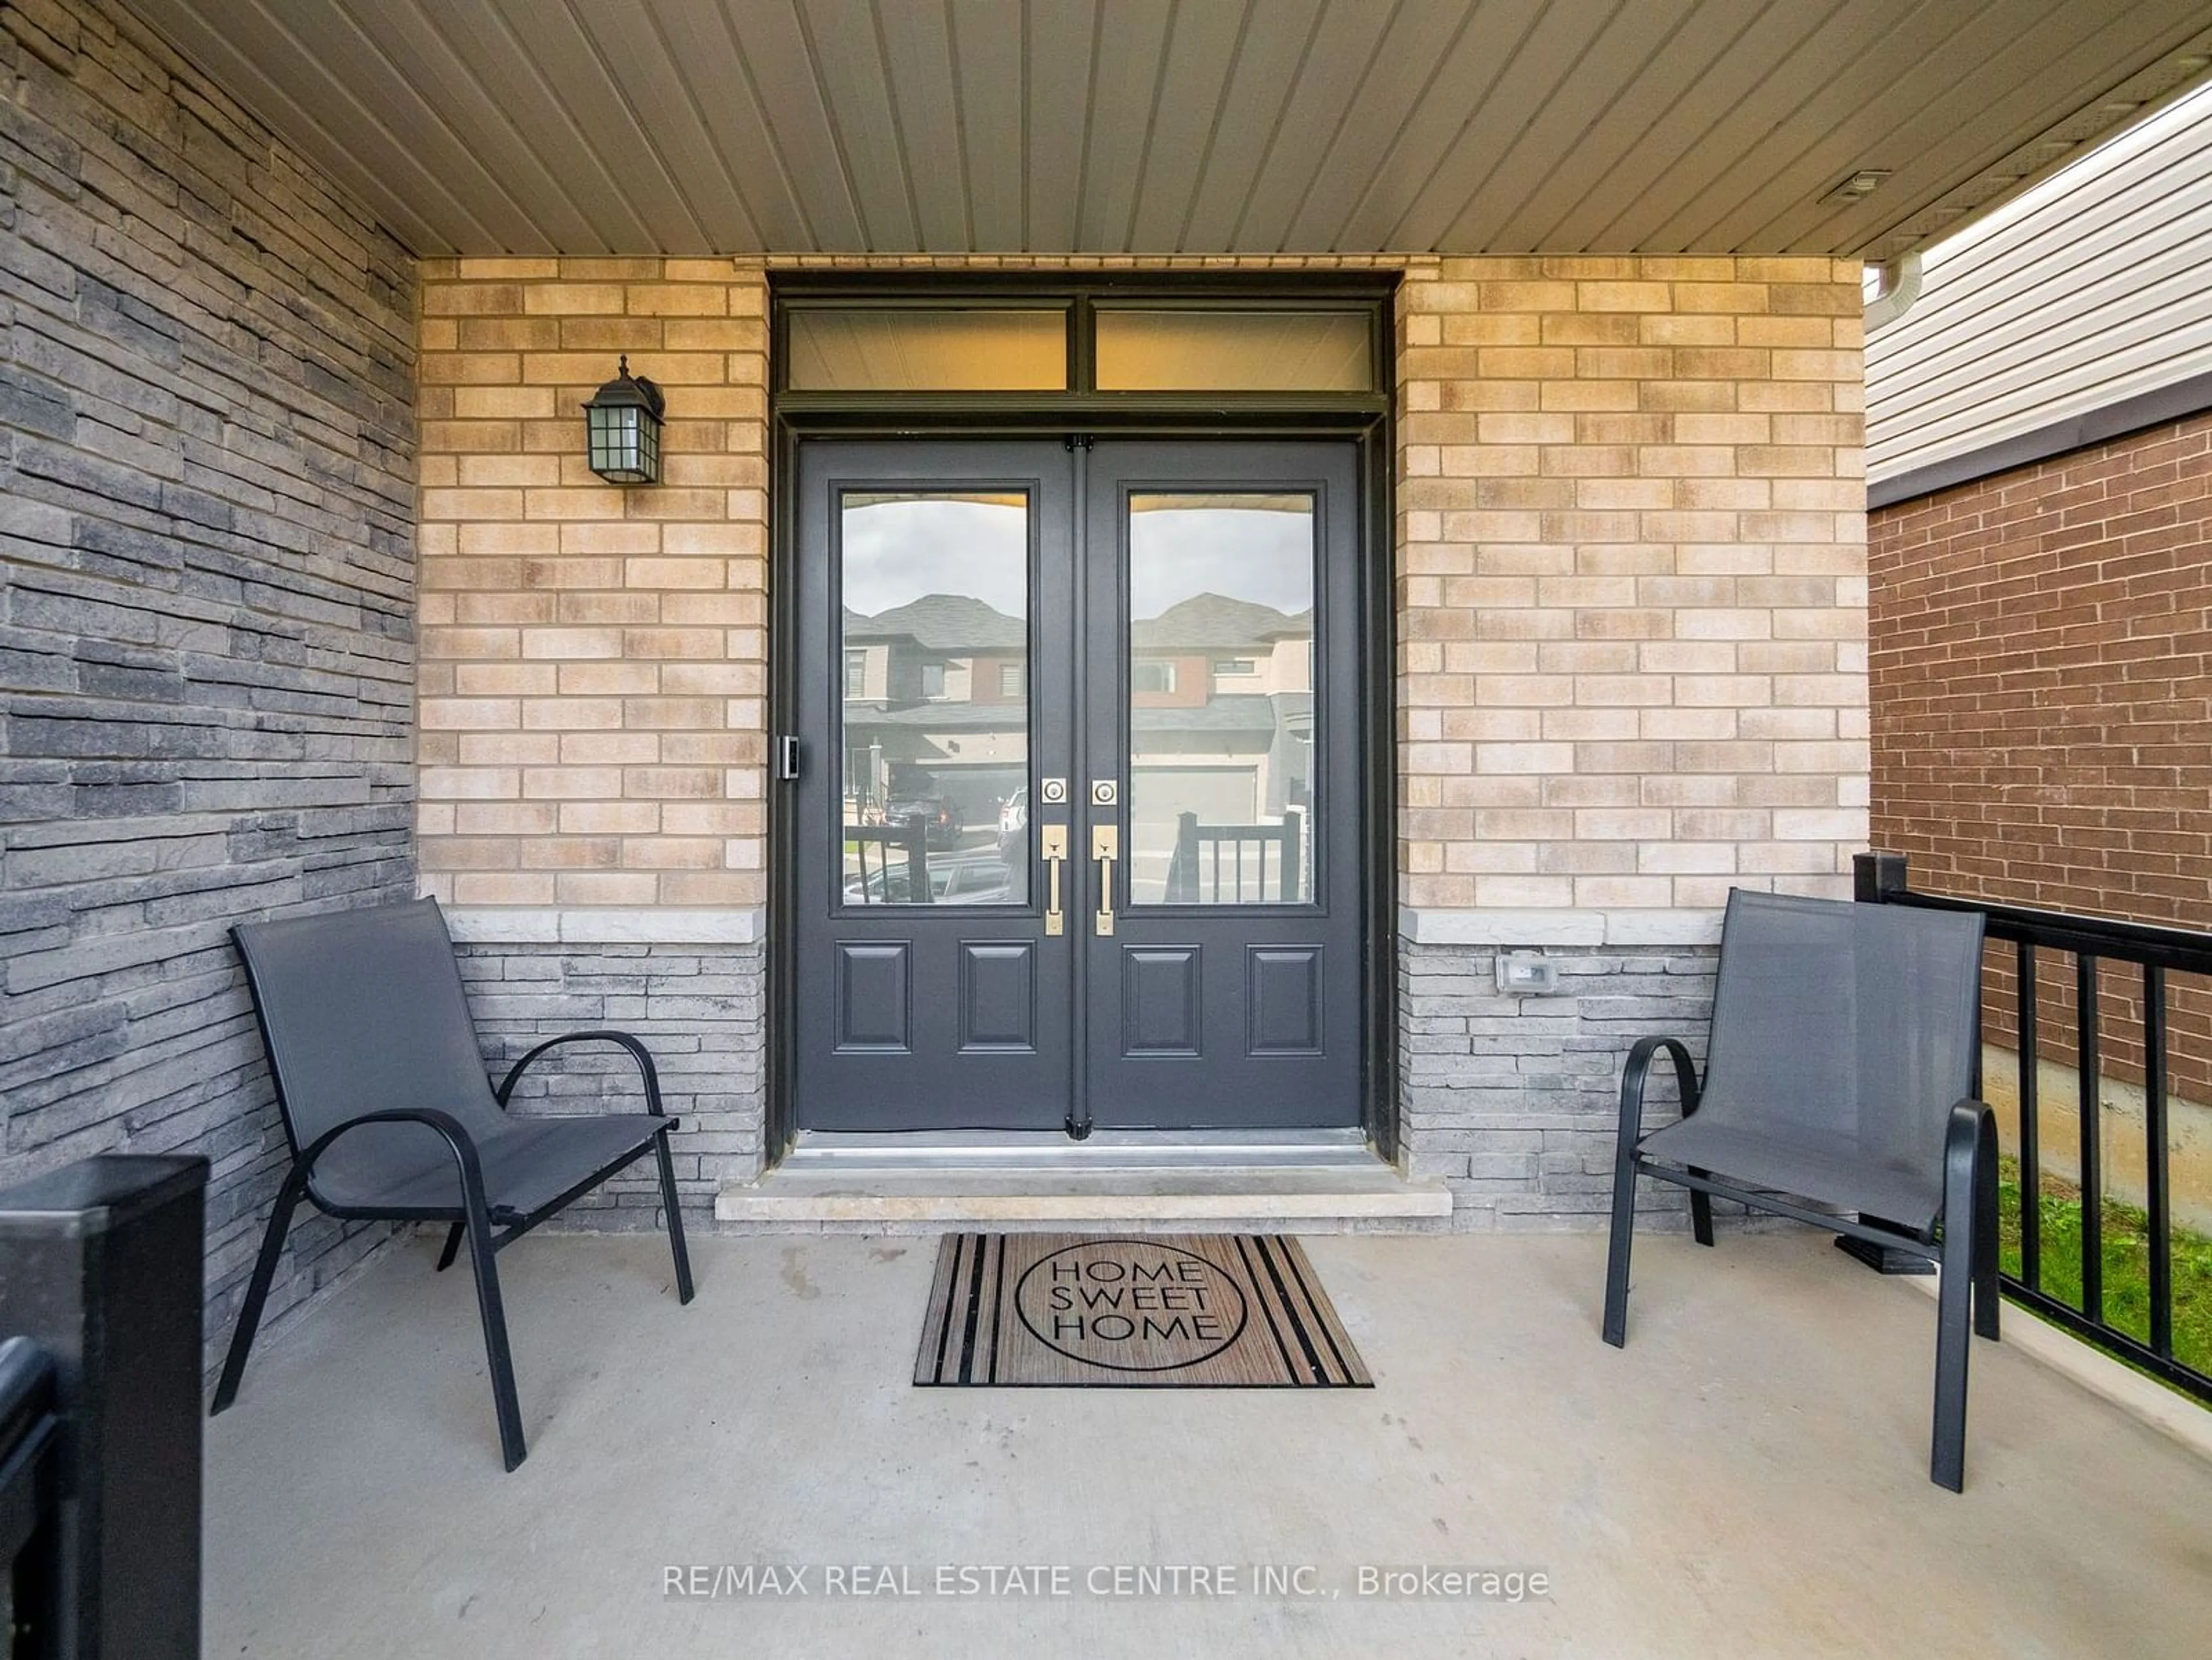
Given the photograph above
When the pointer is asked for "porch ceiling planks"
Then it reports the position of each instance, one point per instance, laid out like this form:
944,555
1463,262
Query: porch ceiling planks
1182,127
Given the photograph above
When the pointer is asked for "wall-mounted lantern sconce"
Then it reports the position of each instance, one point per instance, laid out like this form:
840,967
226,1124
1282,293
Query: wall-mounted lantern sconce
623,421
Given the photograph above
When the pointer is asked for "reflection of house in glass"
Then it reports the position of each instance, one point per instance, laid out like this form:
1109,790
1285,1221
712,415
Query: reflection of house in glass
936,705
1220,735
936,702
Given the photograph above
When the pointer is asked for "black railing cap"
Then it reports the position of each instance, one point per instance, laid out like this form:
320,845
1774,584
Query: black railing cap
95,1195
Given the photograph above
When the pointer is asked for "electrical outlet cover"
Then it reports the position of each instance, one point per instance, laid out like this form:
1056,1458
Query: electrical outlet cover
1527,972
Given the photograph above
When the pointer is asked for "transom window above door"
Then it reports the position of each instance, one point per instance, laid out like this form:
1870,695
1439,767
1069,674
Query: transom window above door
1109,341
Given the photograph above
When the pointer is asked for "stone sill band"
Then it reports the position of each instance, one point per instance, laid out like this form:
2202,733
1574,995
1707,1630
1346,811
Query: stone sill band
489,924
521,925
1422,927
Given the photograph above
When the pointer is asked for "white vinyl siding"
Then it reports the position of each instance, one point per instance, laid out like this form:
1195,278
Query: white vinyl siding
2093,287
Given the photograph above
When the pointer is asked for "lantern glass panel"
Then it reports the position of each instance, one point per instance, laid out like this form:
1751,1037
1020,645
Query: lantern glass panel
625,444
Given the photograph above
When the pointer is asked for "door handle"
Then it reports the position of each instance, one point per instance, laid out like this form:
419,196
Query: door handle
1106,848
1052,842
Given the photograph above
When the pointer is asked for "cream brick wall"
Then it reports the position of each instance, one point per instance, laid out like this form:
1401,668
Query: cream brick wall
1631,558
593,658
1631,580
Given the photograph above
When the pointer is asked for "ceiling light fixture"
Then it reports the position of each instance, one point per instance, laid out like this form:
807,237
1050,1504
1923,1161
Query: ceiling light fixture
1863,183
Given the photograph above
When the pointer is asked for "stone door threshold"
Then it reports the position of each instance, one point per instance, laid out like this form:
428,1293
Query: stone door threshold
1180,1183
814,1153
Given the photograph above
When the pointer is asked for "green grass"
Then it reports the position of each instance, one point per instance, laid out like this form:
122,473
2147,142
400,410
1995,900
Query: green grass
2126,1232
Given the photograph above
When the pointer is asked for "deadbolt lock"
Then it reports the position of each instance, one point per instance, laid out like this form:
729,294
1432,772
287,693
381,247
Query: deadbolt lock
1104,792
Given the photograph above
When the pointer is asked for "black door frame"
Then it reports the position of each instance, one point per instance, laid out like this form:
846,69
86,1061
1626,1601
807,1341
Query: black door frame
1364,419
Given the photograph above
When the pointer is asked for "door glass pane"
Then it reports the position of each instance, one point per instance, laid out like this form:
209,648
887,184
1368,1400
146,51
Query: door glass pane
933,737
1220,677
1192,351
891,348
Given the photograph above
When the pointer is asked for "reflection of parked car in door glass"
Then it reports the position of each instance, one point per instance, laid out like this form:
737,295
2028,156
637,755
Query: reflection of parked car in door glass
884,885
978,879
939,819
1014,822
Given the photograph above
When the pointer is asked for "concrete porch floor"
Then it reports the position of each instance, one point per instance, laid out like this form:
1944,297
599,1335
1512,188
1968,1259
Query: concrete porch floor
1748,1477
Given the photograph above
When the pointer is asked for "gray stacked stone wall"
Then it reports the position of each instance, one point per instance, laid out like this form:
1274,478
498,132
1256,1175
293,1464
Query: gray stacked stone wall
1514,1100
700,1010
207,594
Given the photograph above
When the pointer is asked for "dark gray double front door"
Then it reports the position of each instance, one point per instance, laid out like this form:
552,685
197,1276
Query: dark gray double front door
1078,837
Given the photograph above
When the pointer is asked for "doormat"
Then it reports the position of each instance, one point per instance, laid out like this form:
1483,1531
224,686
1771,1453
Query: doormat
1207,1311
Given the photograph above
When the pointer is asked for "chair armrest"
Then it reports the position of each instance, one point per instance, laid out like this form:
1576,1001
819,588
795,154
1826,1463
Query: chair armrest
1637,1072
637,1053
458,1140
1964,1133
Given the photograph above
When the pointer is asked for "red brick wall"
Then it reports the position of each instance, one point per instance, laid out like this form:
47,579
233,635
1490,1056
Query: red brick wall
2041,675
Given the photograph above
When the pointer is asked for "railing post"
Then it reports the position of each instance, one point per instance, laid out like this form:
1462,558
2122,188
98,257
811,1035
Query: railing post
917,863
2088,1021
100,1262
2156,1194
2031,1125
1182,863
1877,878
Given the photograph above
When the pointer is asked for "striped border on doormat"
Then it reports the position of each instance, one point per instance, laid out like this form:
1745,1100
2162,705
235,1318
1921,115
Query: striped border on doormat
1217,1310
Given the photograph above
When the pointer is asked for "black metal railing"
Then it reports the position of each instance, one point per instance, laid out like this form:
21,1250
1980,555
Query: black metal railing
877,881
1209,857
2152,953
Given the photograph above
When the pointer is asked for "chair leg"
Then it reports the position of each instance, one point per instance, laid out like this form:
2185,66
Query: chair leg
1624,1227
452,1246
1948,1459
257,1289
1701,1211
1986,1292
1962,1253
668,1202
483,1253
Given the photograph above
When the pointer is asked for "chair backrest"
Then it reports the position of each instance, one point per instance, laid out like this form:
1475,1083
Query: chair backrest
1840,1019
363,1012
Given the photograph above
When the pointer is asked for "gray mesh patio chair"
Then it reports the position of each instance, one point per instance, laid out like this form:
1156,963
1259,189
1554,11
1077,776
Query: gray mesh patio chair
391,1117
1840,1074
